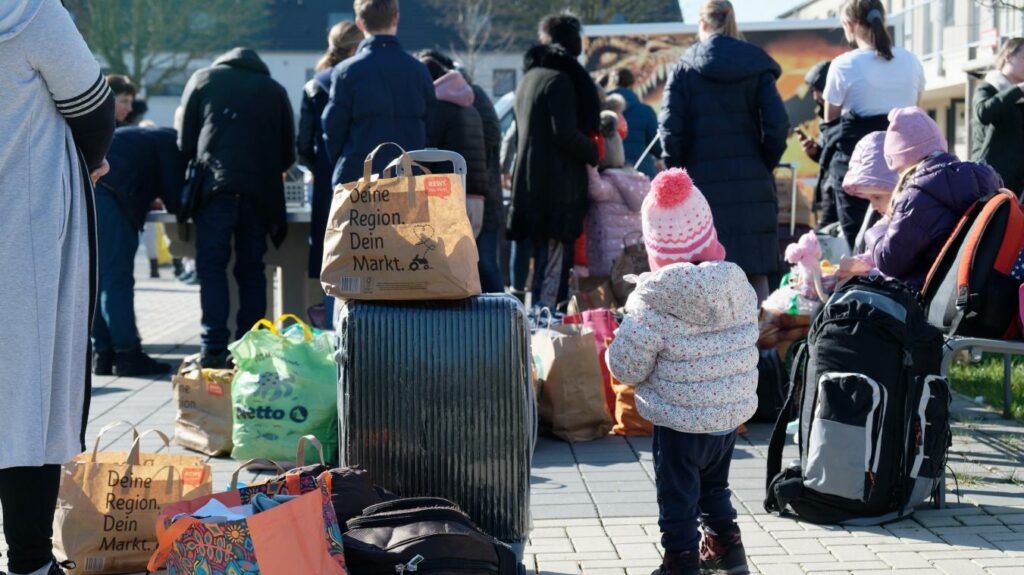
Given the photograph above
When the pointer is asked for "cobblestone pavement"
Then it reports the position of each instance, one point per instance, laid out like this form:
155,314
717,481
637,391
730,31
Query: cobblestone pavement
594,503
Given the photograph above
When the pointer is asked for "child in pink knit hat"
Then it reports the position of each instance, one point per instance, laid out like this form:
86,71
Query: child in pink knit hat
688,344
677,222
934,191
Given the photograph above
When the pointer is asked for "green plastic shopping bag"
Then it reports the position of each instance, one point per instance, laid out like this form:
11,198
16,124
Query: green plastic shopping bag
285,388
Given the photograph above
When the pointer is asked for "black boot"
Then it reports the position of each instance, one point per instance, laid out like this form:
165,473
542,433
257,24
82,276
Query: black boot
723,553
136,363
178,265
103,363
685,563
154,269
220,359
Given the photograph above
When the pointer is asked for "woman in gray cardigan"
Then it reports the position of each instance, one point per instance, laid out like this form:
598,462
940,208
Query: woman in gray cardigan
57,118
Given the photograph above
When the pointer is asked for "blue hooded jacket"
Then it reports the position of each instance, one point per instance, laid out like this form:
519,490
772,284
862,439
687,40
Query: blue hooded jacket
382,94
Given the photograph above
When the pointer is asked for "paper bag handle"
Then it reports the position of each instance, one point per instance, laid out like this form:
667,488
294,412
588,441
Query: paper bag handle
368,164
234,476
307,333
300,451
133,453
108,427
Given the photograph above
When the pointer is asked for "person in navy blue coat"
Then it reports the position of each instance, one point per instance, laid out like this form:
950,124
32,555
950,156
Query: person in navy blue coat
724,121
382,94
145,165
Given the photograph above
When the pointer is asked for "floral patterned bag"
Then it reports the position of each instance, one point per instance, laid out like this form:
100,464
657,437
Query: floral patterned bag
299,536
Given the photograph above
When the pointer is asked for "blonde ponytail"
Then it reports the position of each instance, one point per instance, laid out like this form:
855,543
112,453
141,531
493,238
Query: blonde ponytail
720,18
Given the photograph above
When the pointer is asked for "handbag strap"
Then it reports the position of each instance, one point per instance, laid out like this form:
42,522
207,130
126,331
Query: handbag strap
166,537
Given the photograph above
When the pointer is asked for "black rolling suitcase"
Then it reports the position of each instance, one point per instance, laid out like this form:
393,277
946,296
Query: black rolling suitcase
435,399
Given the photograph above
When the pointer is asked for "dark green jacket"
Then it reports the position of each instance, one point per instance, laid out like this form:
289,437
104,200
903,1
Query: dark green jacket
999,132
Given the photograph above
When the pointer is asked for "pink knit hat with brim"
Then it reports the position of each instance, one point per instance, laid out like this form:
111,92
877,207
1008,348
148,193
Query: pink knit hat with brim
911,137
677,222
868,168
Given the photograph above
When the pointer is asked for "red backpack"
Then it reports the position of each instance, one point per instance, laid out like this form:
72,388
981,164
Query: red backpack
969,291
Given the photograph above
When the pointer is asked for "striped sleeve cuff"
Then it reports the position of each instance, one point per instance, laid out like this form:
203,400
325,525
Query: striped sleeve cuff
86,102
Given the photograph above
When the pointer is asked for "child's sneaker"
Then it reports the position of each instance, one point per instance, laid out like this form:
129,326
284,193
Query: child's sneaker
685,563
723,554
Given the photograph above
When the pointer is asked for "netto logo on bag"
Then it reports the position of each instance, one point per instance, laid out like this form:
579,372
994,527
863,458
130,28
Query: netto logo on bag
298,414
438,187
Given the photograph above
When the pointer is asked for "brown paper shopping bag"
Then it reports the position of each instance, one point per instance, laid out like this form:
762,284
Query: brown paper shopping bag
572,404
203,397
633,261
109,503
401,238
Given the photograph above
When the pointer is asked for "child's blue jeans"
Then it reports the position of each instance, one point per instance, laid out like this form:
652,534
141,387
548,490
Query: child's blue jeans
692,477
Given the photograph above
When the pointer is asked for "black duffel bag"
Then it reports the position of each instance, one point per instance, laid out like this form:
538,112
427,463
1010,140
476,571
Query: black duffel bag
422,535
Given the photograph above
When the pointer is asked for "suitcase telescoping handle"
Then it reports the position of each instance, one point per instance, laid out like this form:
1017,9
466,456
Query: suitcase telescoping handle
434,156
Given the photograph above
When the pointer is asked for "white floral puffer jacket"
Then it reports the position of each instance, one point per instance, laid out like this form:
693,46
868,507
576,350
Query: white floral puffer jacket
688,343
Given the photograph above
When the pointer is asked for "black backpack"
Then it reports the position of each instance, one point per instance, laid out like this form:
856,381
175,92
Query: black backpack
771,387
423,535
874,414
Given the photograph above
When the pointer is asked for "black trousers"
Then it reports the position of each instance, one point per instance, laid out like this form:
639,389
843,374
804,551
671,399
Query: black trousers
28,498
692,477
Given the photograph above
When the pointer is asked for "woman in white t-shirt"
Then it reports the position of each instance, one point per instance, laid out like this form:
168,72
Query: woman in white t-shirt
863,86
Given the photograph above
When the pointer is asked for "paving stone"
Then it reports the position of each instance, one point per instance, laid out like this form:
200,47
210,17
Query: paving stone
604,571
904,560
781,569
851,552
588,544
844,566
548,532
585,531
550,546
959,567
638,550
804,547
578,556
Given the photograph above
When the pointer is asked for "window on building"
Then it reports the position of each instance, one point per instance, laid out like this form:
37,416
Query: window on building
949,18
908,31
957,127
927,31
503,82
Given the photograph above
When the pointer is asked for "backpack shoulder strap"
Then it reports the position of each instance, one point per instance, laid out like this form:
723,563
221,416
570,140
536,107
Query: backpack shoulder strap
789,410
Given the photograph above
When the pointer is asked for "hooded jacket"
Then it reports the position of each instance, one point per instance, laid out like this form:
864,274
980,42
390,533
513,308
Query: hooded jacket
456,125
238,124
998,136
643,127
493,206
557,110
57,121
723,120
925,212
615,200
312,153
688,343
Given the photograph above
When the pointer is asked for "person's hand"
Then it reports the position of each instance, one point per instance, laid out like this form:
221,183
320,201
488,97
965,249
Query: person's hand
850,267
99,172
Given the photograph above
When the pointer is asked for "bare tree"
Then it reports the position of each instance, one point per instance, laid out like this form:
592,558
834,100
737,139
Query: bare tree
155,41
1010,4
473,22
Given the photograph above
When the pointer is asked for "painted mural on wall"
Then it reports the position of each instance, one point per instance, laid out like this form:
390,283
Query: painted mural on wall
653,57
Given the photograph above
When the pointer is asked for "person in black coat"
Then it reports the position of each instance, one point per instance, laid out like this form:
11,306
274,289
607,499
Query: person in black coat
491,278
145,164
723,120
237,123
999,116
558,118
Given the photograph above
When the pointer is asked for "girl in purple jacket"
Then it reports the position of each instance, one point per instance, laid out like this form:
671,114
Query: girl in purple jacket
935,190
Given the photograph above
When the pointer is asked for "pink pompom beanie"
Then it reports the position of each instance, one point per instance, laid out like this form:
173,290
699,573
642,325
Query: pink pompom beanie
677,222
911,137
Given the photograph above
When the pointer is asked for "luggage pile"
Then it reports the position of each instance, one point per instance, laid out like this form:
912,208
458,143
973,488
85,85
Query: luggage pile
318,519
